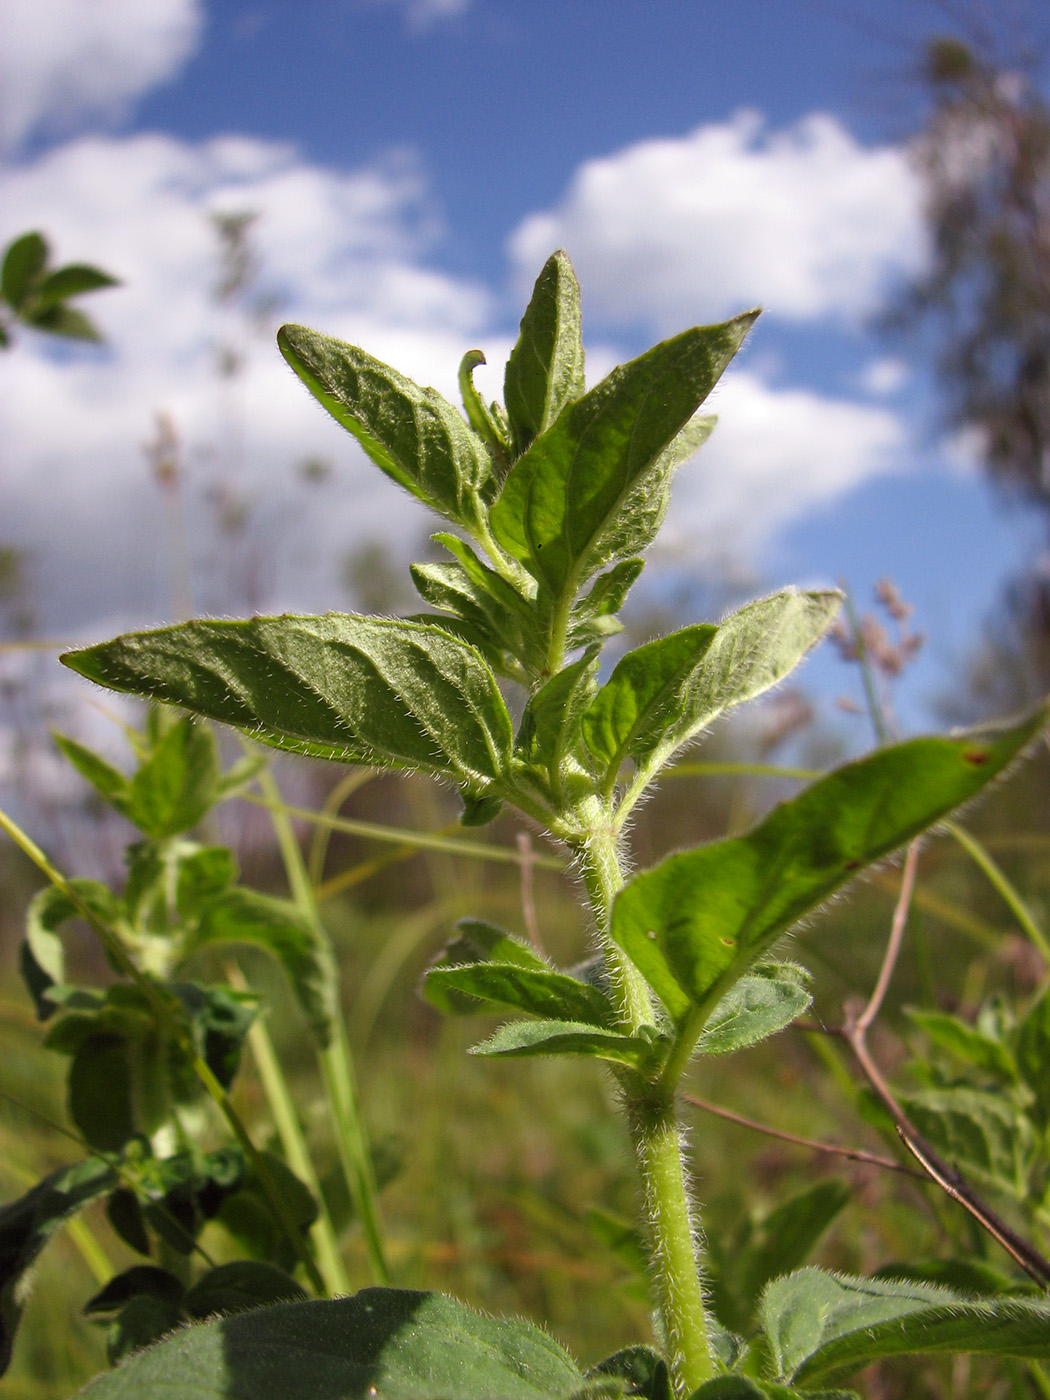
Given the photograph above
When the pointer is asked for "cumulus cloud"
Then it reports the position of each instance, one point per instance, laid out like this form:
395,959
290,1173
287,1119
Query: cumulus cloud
65,61
805,221
343,251
776,455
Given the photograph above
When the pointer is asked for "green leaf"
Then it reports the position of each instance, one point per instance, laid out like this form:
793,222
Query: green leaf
142,1320
593,615
412,434
24,261
246,916
354,689
142,1278
697,921
633,530
759,1004
220,1019
1032,1050
782,1241
175,787
982,1133
244,1209
62,320
477,942
453,589
27,1224
107,781
572,486
642,1369
571,1038
551,724
662,694
201,874
966,1043
387,1342
818,1323
101,1088
124,1213
494,985
42,958
73,280
245,1283
545,369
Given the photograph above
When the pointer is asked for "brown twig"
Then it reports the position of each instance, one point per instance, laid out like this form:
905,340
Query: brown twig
855,1154
855,1032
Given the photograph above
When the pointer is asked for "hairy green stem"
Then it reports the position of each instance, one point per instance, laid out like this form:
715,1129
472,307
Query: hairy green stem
656,1138
335,1060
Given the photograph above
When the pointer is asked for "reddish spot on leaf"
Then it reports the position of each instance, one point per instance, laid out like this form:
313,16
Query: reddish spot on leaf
975,756
851,865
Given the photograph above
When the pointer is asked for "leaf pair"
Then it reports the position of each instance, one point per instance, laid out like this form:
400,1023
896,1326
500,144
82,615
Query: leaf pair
39,296
487,971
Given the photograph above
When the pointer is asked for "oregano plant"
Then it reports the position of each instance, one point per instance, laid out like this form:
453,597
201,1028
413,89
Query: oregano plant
549,502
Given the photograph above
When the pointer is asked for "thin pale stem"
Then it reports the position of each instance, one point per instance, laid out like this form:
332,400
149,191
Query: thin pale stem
893,943
293,1142
997,876
336,1063
167,1018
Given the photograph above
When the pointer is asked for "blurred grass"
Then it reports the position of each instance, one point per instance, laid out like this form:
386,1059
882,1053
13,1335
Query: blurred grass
494,1166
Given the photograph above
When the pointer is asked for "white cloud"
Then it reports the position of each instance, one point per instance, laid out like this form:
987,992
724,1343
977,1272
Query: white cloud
64,61
883,377
346,253
776,455
806,222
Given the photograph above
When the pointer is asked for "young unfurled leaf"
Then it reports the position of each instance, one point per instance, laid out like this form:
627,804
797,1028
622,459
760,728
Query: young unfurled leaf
245,916
762,1002
818,1324
354,689
697,921
494,986
572,485
411,433
383,1341
595,613
545,369
642,1370
481,418
73,280
571,1038
27,1224
662,694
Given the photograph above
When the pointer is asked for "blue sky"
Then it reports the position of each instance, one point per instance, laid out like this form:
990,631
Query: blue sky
412,162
